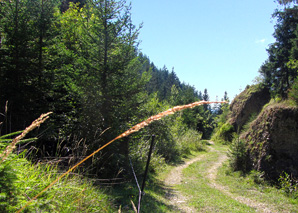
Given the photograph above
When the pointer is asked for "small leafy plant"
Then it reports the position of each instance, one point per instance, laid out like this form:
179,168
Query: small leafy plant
288,185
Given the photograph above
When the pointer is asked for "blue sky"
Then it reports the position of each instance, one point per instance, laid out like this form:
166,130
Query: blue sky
218,45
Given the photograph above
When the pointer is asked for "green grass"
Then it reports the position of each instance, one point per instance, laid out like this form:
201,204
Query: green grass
71,194
203,197
20,180
156,193
262,192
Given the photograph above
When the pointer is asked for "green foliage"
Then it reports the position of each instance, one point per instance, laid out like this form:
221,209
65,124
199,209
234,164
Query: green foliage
280,70
224,133
84,65
8,191
190,141
293,94
238,155
21,181
251,118
288,185
286,2
257,176
174,139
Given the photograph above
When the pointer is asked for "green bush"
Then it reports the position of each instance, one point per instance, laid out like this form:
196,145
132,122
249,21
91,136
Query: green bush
288,185
238,155
224,134
8,191
257,176
190,141
20,181
293,93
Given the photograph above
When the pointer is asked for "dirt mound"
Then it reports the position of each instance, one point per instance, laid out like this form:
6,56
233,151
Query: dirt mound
272,140
247,103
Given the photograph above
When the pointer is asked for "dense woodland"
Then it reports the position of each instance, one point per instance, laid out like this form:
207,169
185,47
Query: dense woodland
80,60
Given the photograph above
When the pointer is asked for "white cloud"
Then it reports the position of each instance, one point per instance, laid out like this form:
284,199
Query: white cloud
261,41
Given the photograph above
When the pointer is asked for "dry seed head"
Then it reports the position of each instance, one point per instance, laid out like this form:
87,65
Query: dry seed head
128,132
159,116
14,142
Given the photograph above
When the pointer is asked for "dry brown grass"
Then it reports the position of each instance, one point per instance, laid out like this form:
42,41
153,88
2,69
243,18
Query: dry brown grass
14,142
126,133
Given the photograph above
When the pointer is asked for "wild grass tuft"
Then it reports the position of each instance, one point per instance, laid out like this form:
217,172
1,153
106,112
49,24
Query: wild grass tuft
14,142
20,180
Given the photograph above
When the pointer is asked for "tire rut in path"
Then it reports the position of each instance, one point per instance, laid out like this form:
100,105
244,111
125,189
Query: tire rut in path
212,174
175,177
180,202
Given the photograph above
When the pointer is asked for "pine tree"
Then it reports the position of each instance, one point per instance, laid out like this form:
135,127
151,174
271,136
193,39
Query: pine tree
25,27
278,75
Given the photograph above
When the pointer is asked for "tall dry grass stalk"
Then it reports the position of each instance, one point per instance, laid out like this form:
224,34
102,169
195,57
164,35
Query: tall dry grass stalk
14,142
126,133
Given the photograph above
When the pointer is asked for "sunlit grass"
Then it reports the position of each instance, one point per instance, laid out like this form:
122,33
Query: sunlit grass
73,194
203,197
262,192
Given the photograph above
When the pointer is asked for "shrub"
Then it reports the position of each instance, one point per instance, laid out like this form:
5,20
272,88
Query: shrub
8,191
224,133
20,181
257,176
288,185
238,155
293,93
190,141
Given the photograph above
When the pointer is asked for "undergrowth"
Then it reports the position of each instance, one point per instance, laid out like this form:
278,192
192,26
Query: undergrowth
238,155
288,185
20,181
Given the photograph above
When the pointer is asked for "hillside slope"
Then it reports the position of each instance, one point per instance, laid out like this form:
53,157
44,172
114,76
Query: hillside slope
272,140
247,103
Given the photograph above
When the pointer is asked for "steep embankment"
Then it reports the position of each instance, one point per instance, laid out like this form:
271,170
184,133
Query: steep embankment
272,140
247,103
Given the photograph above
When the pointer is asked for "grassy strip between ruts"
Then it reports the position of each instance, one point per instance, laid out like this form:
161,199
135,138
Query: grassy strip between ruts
201,196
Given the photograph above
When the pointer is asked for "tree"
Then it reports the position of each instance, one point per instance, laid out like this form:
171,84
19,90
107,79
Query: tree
25,82
277,74
286,2
102,43
206,98
65,4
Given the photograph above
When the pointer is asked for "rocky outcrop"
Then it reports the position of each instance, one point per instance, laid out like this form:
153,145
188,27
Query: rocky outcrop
247,103
272,140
